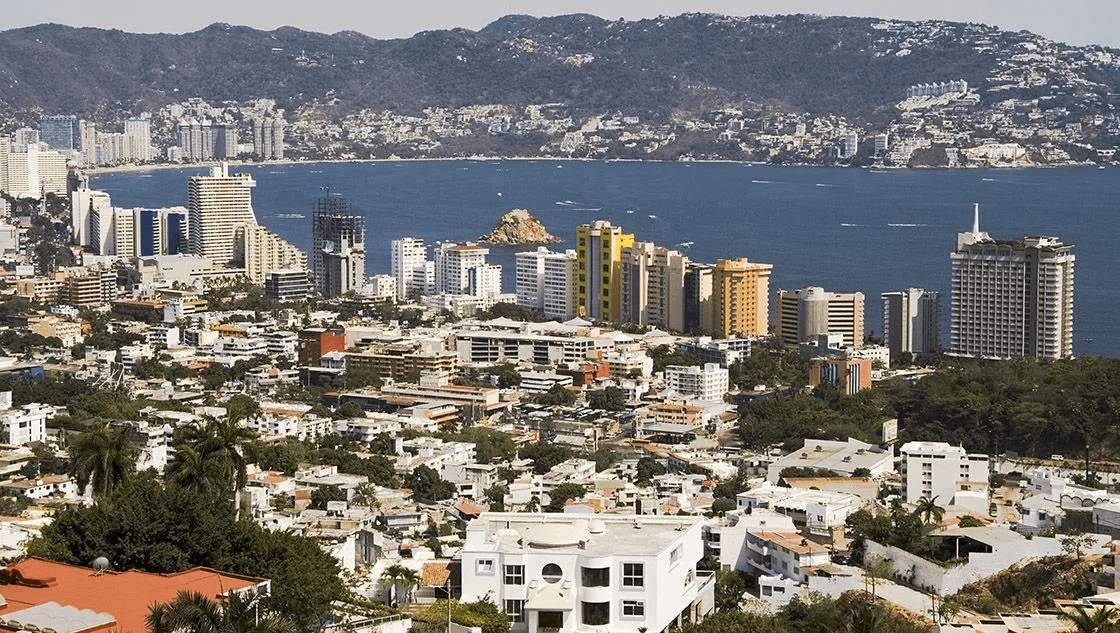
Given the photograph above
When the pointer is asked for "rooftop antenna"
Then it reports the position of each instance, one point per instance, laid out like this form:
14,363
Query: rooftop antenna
976,219
100,565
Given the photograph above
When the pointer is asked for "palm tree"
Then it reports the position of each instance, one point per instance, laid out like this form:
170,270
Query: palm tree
928,509
189,469
397,575
103,457
192,612
1099,620
218,445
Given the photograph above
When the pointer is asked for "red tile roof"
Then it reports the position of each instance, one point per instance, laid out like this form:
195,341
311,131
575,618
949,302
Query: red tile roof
124,595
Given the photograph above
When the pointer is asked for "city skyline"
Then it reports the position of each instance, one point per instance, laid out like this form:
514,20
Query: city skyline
1078,22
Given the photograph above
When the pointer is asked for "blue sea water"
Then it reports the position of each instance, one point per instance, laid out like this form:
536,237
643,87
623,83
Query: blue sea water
846,230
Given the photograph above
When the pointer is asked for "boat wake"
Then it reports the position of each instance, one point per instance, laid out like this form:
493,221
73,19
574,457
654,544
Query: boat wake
905,224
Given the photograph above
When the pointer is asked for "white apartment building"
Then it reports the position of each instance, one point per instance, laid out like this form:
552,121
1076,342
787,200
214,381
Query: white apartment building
570,573
501,346
82,201
544,282
458,270
709,382
1011,298
228,350
941,472
216,206
809,312
26,424
910,321
410,266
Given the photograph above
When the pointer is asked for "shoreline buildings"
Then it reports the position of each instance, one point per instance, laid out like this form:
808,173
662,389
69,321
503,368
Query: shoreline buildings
216,205
911,322
807,313
1011,297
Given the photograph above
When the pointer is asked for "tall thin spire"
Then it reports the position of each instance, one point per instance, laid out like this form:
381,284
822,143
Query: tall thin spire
976,219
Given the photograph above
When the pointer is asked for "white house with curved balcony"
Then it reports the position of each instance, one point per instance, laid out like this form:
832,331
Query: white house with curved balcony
554,573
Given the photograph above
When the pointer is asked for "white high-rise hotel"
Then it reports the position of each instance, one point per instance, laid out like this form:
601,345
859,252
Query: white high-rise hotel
545,280
1011,298
217,205
411,267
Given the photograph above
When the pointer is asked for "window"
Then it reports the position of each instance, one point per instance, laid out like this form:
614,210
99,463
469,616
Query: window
484,566
596,613
514,575
552,573
675,556
633,575
595,576
515,609
633,609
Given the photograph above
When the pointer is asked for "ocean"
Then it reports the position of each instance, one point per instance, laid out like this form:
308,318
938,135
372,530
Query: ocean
846,230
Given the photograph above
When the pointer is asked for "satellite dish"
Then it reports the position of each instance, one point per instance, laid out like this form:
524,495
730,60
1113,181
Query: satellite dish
100,564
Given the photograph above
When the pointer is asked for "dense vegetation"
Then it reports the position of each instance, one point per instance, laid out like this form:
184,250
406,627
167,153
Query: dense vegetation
853,611
1021,406
145,525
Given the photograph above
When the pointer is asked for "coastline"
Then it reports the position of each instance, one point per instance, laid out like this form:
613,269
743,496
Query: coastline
119,169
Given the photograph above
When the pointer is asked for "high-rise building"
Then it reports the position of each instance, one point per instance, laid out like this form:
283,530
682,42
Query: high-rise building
698,312
544,282
83,201
138,139
268,137
196,138
174,231
1011,298
599,277
225,141
87,132
461,269
652,286
59,131
124,232
911,320
217,205
262,251
807,313
338,247
741,298
410,266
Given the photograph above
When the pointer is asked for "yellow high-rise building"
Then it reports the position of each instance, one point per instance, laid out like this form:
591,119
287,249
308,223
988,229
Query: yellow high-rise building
598,288
741,298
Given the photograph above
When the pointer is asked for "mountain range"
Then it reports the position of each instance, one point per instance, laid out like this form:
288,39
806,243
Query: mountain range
852,67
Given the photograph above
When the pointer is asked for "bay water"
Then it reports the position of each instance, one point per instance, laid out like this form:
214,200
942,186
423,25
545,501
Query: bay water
846,230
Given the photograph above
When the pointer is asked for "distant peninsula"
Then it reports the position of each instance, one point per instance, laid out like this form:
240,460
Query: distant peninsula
518,227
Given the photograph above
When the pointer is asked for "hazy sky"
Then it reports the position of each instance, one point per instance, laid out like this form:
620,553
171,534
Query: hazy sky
1072,21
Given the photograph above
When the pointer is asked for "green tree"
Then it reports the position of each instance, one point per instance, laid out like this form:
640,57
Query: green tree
560,495
648,468
234,612
219,443
609,399
325,494
103,457
427,485
730,588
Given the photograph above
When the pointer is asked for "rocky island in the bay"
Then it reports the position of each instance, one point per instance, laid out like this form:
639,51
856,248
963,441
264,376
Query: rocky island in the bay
519,227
